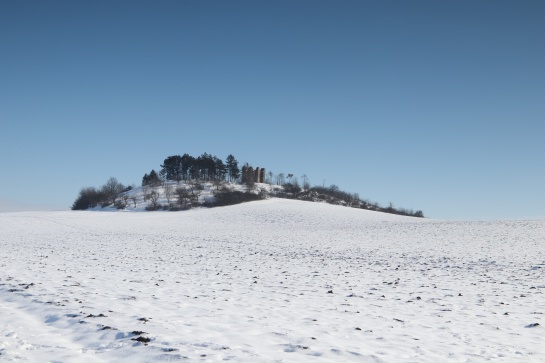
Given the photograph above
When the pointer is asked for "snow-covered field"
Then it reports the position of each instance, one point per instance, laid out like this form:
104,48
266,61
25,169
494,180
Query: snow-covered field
269,281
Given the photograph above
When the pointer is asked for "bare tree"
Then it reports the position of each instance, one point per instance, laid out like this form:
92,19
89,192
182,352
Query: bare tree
196,188
391,207
250,184
145,192
168,190
218,182
184,197
153,197
133,198
195,195
290,176
125,197
306,184
112,188
356,201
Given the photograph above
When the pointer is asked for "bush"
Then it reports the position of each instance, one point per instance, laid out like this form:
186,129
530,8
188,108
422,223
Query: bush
154,207
88,197
225,197
292,189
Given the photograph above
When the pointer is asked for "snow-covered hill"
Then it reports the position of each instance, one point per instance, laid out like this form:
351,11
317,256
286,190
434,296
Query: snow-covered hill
137,199
275,280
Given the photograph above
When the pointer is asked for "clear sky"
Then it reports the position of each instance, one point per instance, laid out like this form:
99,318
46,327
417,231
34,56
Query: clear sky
432,105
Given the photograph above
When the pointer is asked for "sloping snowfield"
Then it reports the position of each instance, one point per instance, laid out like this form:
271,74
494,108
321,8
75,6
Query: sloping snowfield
270,281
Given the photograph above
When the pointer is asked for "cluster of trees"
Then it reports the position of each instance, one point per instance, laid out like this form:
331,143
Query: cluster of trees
400,211
180,197
151,179
90,197
334,195
187,195
205,167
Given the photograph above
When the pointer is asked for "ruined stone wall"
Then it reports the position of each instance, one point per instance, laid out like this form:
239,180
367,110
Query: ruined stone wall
256,175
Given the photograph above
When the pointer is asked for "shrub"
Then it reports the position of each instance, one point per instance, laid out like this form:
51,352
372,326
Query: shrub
88,197
152,207
225,197
292,189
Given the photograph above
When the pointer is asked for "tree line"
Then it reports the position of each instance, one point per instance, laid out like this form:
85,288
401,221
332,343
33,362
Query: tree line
107,194
186,167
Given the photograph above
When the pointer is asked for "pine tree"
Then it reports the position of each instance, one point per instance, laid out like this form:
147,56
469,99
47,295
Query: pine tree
145,180
221,169
154,178
188,166
172,168
232,168
206,166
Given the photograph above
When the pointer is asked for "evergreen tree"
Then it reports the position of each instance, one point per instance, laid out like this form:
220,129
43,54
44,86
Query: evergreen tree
151,179
188,166
154,178
145,180
232,168
206,166
172,168
221,169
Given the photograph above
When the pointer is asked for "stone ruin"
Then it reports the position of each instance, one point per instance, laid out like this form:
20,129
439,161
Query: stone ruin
256,175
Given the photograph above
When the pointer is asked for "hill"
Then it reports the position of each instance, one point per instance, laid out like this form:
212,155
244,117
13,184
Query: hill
185,182
184,195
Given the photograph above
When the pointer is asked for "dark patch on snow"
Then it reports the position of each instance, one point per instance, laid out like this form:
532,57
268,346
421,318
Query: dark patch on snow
142,339
96,316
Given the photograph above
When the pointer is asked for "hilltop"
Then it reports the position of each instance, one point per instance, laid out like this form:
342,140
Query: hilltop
186,182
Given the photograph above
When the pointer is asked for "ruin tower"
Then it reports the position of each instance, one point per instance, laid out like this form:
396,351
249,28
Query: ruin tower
244,173
256,176
262,175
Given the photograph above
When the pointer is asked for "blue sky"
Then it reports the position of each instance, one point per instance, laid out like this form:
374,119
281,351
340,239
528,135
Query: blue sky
438,106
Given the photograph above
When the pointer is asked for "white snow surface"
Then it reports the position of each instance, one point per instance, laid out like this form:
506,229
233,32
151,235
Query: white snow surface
269,281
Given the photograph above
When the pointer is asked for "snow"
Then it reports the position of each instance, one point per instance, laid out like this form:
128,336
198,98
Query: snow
206,194
269,281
